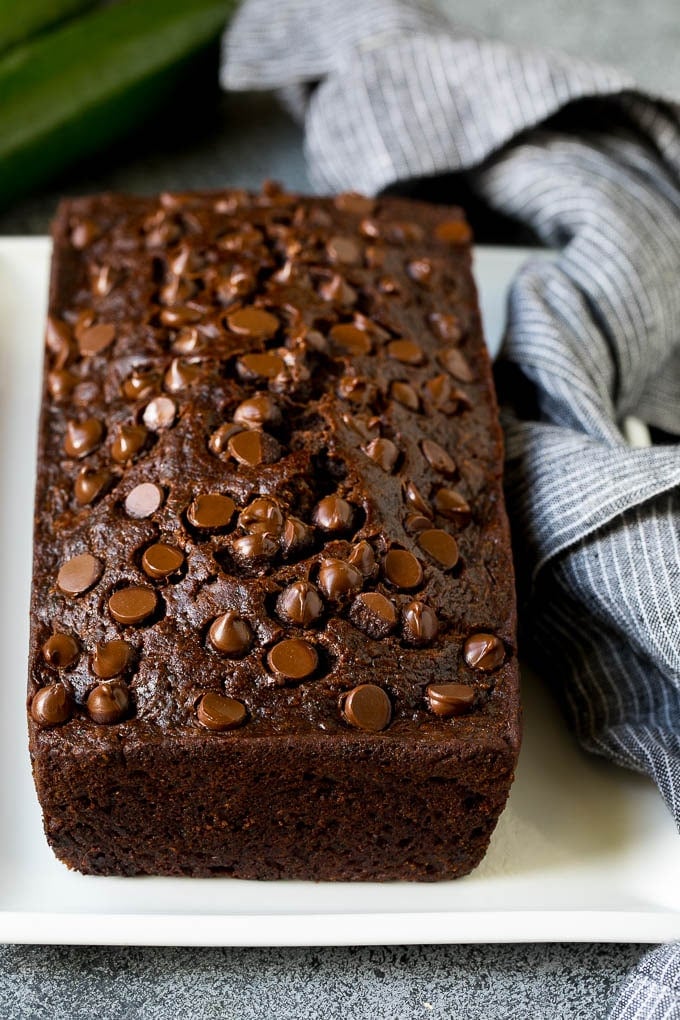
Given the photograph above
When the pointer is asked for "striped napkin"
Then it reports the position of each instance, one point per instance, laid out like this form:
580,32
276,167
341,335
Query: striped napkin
391,92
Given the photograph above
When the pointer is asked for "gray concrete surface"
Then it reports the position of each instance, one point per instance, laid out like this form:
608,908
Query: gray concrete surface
240,141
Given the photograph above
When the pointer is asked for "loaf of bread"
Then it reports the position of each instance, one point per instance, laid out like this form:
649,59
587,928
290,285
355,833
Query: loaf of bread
273,611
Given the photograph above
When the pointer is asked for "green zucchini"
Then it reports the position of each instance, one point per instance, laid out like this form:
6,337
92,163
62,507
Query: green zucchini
71,92
22,19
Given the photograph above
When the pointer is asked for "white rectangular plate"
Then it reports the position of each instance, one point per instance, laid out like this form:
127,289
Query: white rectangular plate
584,851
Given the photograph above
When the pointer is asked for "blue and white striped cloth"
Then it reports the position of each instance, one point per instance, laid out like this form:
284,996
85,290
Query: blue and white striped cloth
390,91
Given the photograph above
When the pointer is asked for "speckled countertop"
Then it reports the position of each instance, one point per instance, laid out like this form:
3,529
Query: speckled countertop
241,141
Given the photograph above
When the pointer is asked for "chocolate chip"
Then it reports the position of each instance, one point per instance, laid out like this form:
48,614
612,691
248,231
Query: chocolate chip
95,339
455,364
140,385
350,338
180,375
338,291
108,703
90,484
102,280
187,341
451,504
441,546
405,395
437,457
293,659
484,651
415,500
420,270
85,393
352,202
445,326
356,389
60,650
296,536
218,712
453,232
133,605
299,603
406,351
402,569
128,442
253,322
161,560
447,700
389,285
144,500
58,341
230,634
60,383
437,391
79,574
51,706
383,452
180,315
367,707
83,233
252,447
374,614
336,578
211,511
260,366
333,514
258,411
420,624
160,413
415,523
344,250
83,437
262,515
111,658
219,440
363,558
254,550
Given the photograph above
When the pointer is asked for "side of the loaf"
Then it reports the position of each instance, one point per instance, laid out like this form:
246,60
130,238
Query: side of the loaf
273,617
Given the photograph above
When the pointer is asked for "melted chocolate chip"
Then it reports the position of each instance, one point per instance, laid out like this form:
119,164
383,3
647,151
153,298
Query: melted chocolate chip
254,550
384,453
160,560
262,515
299,603
211,511
140,385
405,395
95,339
252,447
455,364
415,500
293,659
79,574
60,383
447,700
128,442
420,624
253,322
415,523
363,558
402,569
133,605
336,578
83,437
108,703
453,232
484,651
180,375
111,658
51,706
258,411
218,712
60,650
441,546
90,484
406,351
437,457
296,536
452,505
230,634
144,500
333,514
260,366
350,338
374,614
367,707
160,413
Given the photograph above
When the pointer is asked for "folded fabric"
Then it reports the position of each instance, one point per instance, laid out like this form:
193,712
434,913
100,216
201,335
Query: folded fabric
389,92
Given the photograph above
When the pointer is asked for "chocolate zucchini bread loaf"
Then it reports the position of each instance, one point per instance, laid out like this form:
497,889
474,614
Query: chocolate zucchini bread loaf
273,615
